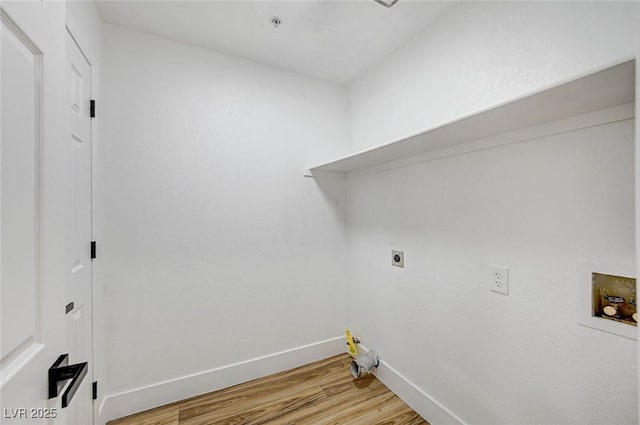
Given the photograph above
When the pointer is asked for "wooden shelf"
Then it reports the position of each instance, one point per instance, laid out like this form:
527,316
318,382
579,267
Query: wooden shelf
600,90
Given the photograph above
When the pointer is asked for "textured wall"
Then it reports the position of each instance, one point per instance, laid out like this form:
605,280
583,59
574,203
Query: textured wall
534,207
537,207
218,250
482,53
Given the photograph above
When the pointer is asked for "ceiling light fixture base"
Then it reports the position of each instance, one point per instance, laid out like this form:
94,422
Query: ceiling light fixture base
386,3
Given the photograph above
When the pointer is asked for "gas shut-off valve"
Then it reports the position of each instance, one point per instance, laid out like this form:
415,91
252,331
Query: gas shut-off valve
364,363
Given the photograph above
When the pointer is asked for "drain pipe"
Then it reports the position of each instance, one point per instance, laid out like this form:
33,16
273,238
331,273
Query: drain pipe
364,364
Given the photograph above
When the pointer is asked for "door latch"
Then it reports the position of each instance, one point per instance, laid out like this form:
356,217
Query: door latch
60,372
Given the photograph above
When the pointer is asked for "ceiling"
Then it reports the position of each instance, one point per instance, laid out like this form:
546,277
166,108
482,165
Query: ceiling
335,40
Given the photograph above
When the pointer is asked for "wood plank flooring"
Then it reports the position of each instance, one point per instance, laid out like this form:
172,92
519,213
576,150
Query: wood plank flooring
321,393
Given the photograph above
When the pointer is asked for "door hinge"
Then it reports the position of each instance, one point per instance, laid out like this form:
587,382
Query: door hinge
95,390
93,249
92,108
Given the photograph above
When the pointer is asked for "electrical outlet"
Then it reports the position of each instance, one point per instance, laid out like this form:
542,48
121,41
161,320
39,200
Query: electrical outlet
499,279
397,258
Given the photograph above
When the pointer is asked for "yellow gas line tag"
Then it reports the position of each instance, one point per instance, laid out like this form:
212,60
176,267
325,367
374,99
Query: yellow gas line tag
353,350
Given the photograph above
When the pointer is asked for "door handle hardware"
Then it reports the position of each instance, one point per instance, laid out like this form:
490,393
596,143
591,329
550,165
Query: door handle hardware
60,372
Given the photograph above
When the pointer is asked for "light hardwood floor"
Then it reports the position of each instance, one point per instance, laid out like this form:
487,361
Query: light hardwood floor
320,393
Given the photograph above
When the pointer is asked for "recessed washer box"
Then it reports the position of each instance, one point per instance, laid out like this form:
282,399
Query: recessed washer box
607,297
614,298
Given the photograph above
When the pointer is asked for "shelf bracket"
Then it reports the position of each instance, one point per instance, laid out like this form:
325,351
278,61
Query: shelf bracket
322,173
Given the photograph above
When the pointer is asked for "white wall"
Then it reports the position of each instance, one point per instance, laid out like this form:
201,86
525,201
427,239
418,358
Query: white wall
537,207
218,249
483,53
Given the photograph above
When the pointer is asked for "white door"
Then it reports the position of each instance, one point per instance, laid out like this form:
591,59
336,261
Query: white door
79,292
37,212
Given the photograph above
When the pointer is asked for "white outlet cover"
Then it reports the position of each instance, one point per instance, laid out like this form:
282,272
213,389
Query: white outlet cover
499,279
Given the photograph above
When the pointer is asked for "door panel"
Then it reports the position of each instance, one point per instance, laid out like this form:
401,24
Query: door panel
30,293
41,258
21,68
79,291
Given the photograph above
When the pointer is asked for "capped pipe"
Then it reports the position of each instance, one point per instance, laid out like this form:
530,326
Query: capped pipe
364,364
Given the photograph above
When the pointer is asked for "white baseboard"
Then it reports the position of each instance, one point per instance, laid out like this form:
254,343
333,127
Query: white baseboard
139,399
425,405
